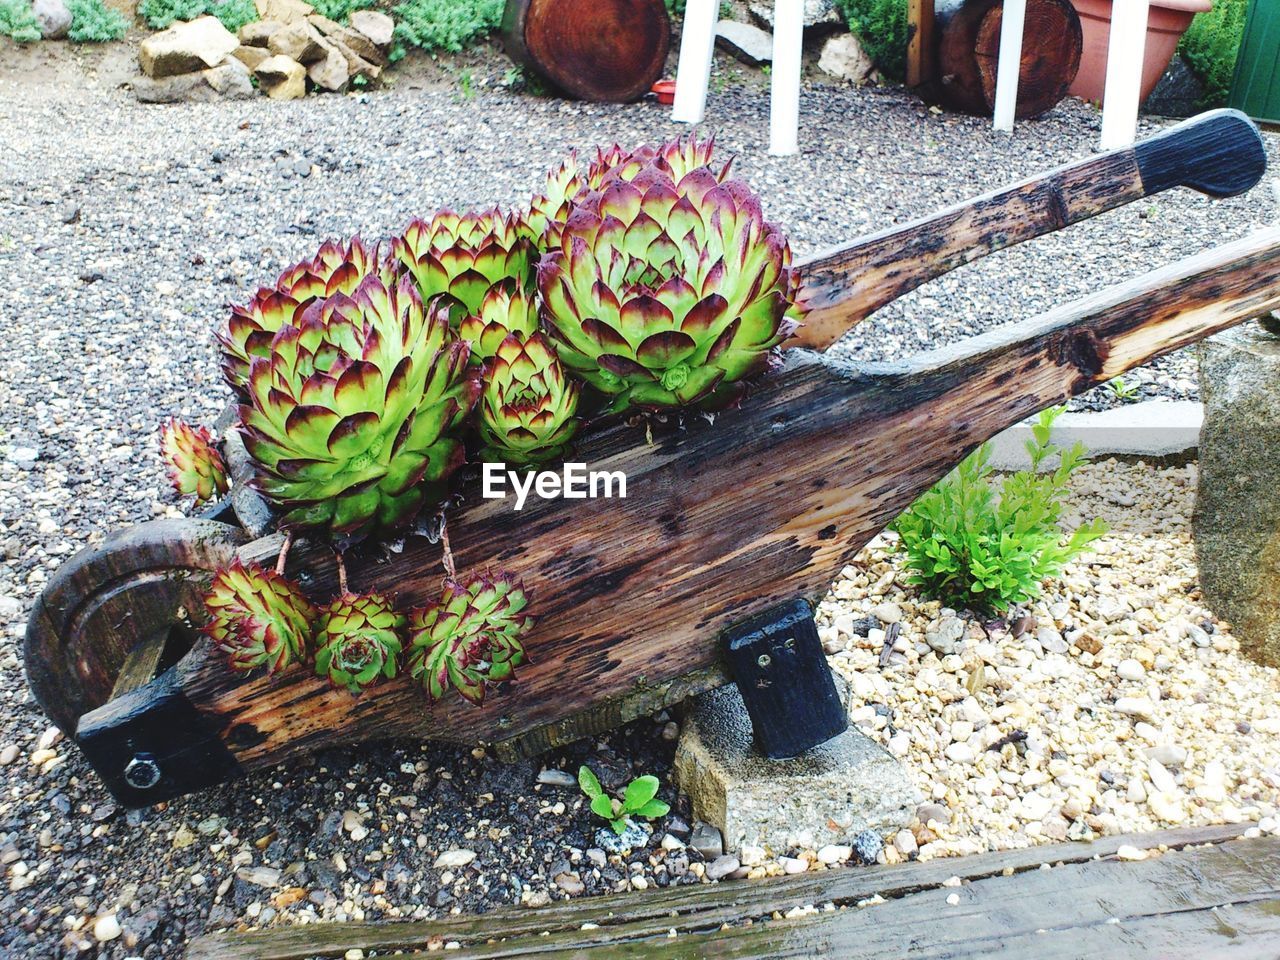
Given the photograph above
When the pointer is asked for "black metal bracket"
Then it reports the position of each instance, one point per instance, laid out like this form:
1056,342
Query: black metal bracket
151,744
782,673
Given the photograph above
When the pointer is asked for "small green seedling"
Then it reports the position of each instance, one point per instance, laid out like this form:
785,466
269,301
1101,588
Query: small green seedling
1121,389
638,800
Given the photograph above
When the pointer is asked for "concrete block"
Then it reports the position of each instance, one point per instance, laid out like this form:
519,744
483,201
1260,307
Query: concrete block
828,796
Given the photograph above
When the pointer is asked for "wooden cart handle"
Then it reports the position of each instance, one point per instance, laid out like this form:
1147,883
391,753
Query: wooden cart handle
720,522
1219,153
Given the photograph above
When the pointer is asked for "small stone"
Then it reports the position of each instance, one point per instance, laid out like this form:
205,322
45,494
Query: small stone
793,865
1161,778
635,836
571,883
597,856
867,846
953,899
260,876
722,866
1051,640
452,859
557,778
933,811
1132,853
960,753
834,853
1168,755
904,842
1168,807
106,928
282,78
377,26
707,841
51,737
670,843
944,638
1135,707
670,731
1130,669
8,754
751,856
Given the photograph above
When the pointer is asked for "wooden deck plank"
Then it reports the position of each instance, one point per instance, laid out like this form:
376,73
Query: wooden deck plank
700,907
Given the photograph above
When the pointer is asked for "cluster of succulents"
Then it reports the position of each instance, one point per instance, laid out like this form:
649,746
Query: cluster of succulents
469,639
639,281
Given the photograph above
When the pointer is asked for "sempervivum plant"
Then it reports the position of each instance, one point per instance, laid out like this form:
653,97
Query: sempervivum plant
549,209
666,293
528,406
336,268
470,637
258,617
358,640
506,309
354,418
464,255
194,464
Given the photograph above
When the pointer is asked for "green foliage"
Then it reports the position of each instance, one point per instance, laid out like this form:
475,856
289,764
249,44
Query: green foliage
881,26
1210,46
972,547
340,10
234,14
1121,389
675,7
94,22
18,22
638,800
446,24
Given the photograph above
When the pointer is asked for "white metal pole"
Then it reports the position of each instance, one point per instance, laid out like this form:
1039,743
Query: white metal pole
1010,63
697,46
1125,53
784,100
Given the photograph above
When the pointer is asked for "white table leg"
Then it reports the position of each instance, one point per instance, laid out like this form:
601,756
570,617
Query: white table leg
1010,63
784,100
1125,53
697,45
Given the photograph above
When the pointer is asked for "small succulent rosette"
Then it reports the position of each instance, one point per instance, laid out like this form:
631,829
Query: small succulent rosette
194,465
258,618
528,406
358,640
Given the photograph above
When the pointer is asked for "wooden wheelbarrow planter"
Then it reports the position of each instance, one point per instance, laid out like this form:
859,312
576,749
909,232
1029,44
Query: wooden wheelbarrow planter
721,522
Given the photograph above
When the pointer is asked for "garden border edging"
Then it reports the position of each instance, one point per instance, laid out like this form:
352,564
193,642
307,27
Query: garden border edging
1155,431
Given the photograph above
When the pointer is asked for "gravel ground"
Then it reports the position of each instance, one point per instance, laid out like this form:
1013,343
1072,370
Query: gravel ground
125,229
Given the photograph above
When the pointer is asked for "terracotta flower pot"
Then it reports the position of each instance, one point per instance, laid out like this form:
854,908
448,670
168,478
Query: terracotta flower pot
665,90
1166,23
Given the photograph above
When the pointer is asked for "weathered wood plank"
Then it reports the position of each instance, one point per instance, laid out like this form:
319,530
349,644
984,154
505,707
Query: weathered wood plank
1219,153
635,592
139,666
685,908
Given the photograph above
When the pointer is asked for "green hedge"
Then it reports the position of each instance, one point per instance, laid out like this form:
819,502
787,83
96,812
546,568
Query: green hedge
1210,47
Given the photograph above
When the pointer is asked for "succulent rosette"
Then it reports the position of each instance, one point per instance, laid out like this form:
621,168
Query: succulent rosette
358,640
258,618
470,637
676,158
506,309
463,255
336,268
549,209
528,406
354,419
667,293
194,464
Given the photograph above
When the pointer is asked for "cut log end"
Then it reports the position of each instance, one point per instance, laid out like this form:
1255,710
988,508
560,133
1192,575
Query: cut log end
602,50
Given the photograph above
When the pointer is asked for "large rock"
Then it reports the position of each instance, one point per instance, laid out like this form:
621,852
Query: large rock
227,81
256,33
1237,516
352,40
817,13
330,71
1178,94
282,78
298,41
186,47
251,57
375,25
53,18
748,43
843,57
827,796
283,11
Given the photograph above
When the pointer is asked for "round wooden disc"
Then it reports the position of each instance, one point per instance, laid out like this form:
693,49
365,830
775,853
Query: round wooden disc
1051,48
609,50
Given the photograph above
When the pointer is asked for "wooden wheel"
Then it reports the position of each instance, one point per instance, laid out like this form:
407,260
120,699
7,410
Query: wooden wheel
106,602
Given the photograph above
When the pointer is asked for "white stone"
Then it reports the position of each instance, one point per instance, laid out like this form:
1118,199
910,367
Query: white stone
1130,669
1161,778
748,43
1135,707
1168,807
52,17
793,865
454,858
834,853
106,928
887,612
1130,852
904,841
960,753
1168,754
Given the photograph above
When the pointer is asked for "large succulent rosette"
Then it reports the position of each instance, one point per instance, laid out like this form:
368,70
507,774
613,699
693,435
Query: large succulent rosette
528,406
336,268
470,637
194,464
668,293
354,419
258,618
463,255
358,640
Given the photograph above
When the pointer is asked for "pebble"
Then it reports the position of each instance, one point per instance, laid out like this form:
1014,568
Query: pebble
834,853
887,612
452,859
722,866
944,638
1135,707
106,928
1130,669
707,841
9,753
904,842
793,865
1130,852
557,778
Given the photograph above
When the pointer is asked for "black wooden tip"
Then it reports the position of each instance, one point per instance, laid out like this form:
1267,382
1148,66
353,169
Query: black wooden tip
1219,153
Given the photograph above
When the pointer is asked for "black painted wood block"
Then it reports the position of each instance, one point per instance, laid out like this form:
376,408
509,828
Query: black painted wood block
777,660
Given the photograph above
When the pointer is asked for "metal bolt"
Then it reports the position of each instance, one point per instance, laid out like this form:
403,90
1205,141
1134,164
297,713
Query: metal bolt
142,772
763,660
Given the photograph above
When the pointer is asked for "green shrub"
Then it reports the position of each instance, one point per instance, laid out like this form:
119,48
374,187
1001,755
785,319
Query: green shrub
1210,46
973,547
881,26
340,10
234,14
92,21
17,21
446,24
675,7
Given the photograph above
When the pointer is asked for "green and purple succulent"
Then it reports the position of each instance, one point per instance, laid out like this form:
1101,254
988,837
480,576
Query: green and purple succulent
258,618
527,410
193,463
506,309
358,640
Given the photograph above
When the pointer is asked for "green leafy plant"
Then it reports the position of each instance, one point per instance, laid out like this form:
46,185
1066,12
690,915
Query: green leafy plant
675,7
1211,45
638,800
971,546
94,22
340,10
446,24
234,14
18,22
1121,389
881,26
